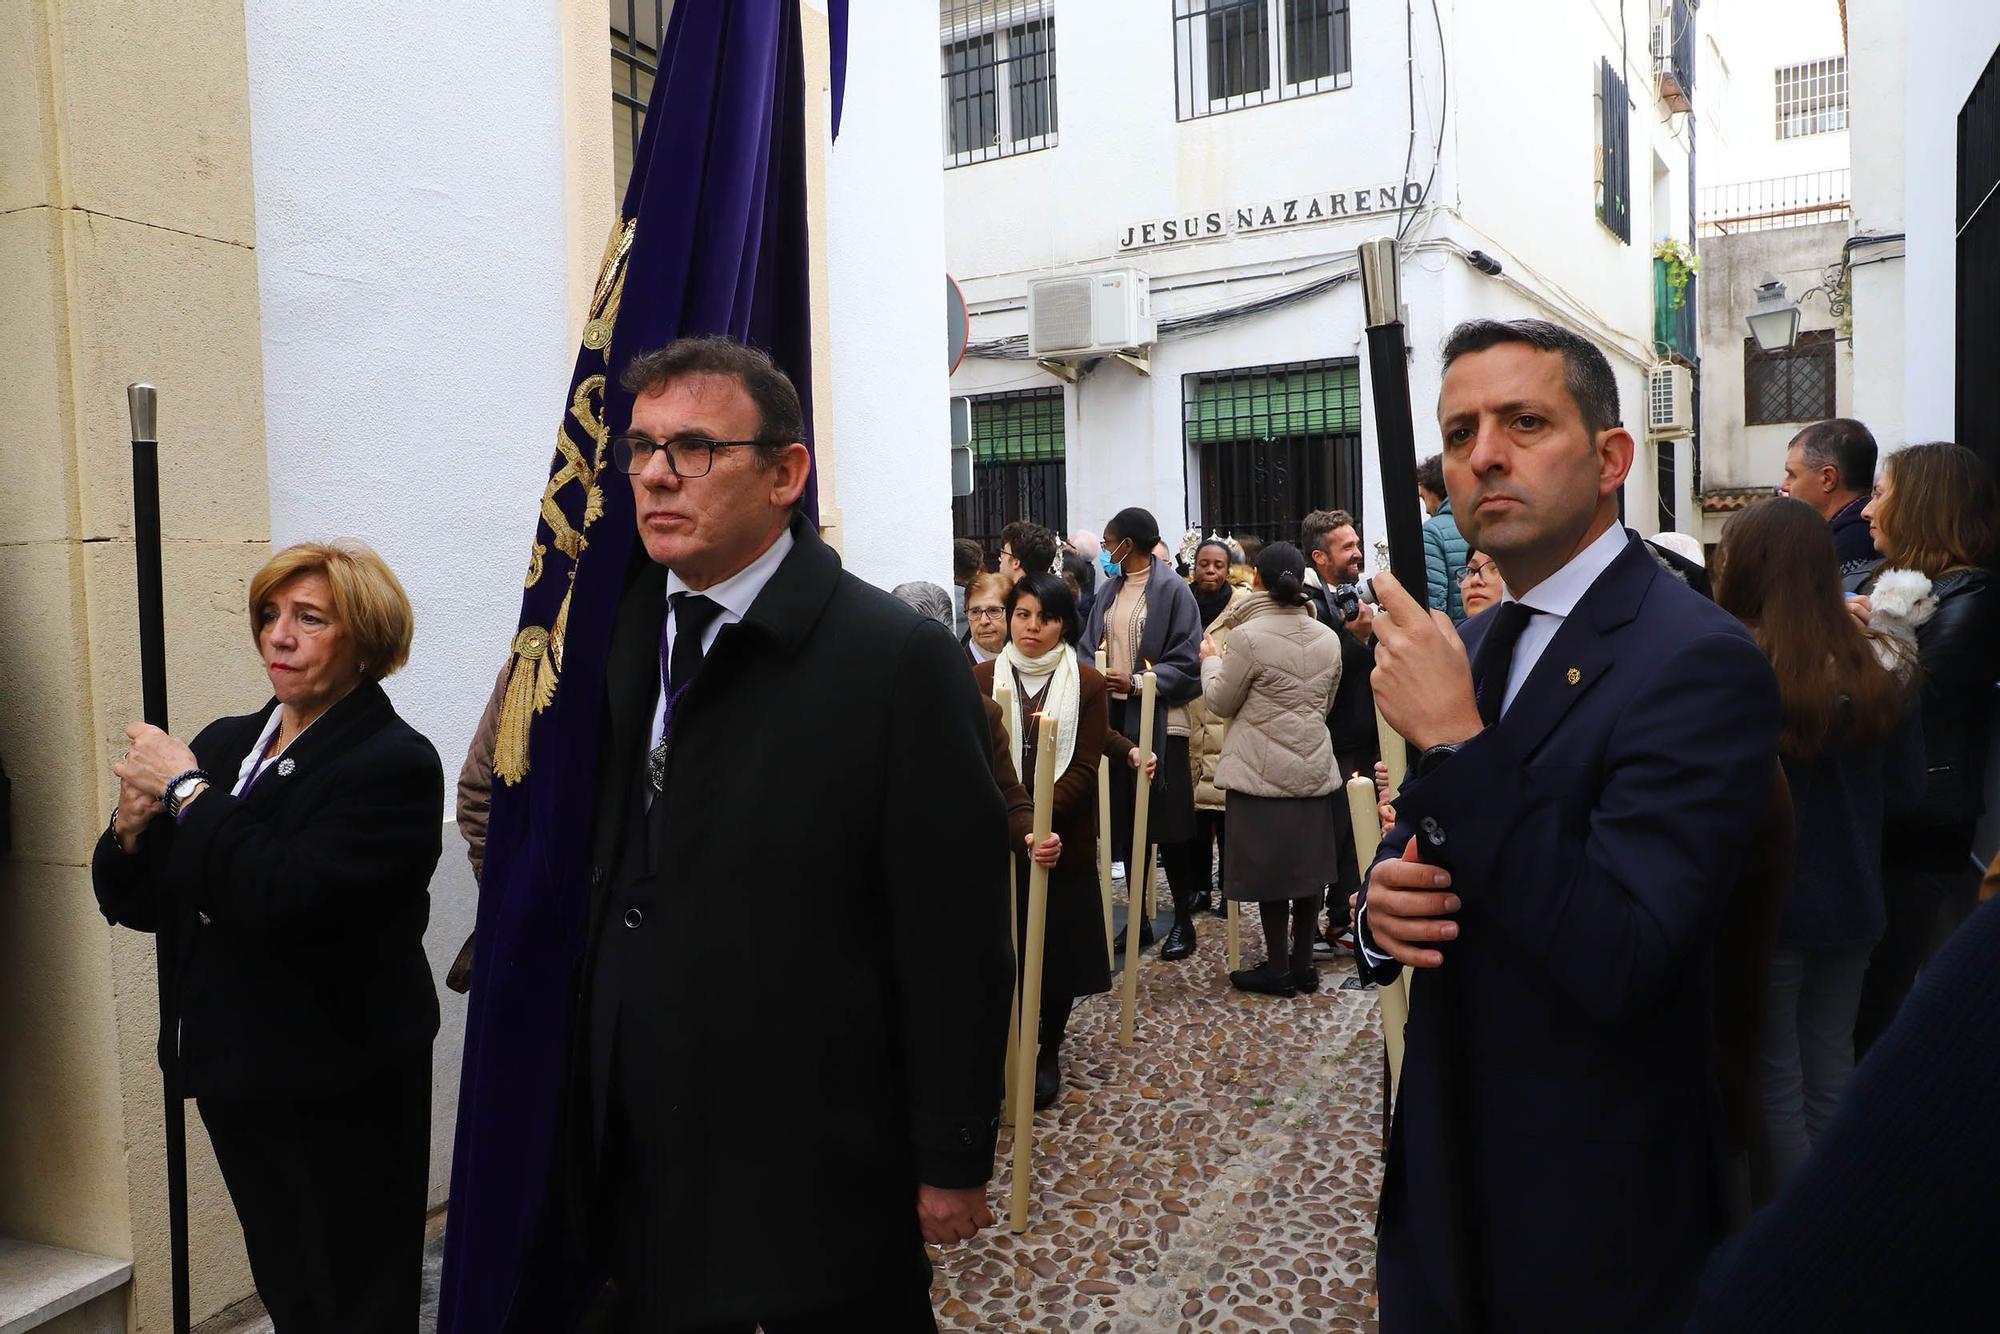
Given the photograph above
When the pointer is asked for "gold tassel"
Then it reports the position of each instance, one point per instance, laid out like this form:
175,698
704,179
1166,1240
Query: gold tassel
519,705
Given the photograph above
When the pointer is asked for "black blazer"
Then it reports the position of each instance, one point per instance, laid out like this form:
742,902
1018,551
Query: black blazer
831,772
302,905
1594,836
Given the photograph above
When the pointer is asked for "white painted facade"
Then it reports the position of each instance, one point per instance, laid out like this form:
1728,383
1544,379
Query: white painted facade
1758,219
1512,175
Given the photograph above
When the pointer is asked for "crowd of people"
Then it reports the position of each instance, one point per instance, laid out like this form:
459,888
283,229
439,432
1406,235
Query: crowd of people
1686,836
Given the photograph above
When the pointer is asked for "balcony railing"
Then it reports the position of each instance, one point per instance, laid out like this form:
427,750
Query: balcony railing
1781,201
1674,331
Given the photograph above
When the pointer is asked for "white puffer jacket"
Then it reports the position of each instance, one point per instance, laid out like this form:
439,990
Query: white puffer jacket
1274,681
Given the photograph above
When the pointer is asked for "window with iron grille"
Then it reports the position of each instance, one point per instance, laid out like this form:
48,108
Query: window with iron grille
1812,98
1231,54
1792,384
998,64
1017,466
636,29
1274,443
1614,153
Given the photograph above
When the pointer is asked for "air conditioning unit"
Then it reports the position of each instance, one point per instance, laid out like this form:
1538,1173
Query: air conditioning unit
1670,403
1088,314
1662,44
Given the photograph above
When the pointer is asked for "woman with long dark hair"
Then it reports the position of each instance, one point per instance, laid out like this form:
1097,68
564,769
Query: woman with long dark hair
1275,681
1851,749
1934,513
1145,618
1047,680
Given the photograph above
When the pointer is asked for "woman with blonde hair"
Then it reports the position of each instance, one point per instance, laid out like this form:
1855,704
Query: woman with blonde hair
292,849
1933,518
985,616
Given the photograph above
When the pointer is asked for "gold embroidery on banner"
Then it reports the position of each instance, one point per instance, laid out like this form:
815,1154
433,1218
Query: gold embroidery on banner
519,705
610,287
536,670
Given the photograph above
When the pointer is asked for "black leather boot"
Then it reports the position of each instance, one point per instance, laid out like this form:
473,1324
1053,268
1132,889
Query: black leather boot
1180,940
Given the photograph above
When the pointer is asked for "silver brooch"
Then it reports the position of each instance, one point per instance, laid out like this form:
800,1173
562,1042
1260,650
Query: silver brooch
285,767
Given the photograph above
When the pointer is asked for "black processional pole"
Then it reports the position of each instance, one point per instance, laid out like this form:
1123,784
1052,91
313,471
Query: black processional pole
144,403
1396,448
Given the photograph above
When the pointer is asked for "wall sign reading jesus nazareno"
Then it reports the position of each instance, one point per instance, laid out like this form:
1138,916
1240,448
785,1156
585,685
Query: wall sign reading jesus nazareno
1297,211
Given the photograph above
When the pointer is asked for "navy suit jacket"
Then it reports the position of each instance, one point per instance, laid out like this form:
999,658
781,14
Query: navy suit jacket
1593,835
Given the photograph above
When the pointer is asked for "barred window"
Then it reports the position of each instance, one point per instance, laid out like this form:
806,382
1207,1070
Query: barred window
1812,98
636,30
1230,54
1793,384
1614,153
1274,443
1017,466
999,78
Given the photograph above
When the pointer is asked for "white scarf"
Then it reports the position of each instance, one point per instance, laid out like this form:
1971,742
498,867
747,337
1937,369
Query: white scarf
1063,704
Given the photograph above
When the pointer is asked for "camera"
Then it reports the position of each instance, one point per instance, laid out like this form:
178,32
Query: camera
1346,599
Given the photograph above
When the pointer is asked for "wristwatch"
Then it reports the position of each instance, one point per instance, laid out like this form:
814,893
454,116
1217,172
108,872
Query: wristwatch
1431,758
180,790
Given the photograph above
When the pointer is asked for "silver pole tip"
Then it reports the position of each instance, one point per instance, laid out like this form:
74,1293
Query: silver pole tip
144,402
1381,296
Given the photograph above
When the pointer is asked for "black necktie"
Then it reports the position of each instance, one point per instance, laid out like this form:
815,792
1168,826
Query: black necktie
690,614
693,614
1496,658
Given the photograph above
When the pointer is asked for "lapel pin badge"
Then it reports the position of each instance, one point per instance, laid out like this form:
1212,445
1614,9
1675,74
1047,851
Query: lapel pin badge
1574,676
286,765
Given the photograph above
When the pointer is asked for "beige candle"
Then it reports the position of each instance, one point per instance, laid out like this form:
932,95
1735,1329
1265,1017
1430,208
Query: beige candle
1031,977
1139,870
1104,839
1393,998
1003,695
1394,754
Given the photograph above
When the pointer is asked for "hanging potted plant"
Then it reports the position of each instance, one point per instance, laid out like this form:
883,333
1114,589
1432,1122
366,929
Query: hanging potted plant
1681,262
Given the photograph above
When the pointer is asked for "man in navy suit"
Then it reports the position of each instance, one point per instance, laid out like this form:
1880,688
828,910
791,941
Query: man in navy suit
1594,755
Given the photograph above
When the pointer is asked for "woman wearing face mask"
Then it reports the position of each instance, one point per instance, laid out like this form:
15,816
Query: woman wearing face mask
1146,618
1041,668
1191,864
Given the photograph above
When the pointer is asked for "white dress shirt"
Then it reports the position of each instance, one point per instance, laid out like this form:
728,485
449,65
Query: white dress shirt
734,595
1552,600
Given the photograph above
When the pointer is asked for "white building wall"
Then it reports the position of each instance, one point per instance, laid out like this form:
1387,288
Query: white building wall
1950,43
413,263
1744,44
1123,158
1878,60
886,266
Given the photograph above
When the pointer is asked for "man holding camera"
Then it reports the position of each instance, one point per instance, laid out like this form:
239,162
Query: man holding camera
1332,541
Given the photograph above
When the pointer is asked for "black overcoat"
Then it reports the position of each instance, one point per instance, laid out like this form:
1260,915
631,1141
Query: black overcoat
830,783
302,904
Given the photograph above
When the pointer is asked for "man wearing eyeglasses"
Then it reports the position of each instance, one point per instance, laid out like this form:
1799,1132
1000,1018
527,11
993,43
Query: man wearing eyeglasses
779,738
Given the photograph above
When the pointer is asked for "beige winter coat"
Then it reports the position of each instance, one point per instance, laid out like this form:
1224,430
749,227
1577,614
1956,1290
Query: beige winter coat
1275,683
1205,730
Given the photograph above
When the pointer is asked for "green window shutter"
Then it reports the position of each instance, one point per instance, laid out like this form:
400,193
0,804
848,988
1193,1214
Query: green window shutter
1307,401
1018,428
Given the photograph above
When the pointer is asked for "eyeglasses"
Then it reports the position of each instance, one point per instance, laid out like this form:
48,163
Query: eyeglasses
688,455
985,613
1479,570
1007,553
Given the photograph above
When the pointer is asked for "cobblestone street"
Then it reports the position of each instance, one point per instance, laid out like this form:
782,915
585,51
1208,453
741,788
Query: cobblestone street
1220,1174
